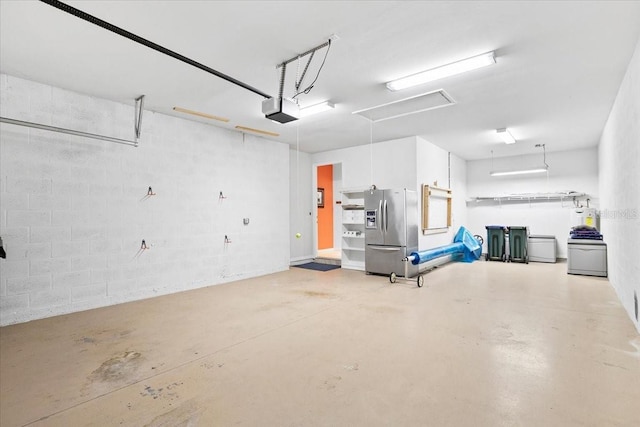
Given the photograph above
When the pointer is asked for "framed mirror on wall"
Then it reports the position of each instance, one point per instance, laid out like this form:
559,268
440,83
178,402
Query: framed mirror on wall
320,197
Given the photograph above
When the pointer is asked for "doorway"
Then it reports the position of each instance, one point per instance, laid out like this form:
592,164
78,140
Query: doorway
329,181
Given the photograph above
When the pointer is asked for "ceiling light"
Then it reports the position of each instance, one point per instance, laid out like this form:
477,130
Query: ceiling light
316,108
443,71
540,169
199,114
506,136
519,172
260,131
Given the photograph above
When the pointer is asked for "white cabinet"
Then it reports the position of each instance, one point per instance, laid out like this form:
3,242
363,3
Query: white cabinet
541,248
352,243
588,257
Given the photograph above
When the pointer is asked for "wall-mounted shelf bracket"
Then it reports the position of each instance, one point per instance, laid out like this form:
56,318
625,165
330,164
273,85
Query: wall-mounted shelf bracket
67,131
138,118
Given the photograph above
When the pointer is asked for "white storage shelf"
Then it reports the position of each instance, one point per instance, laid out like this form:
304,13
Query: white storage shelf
531,197
353,229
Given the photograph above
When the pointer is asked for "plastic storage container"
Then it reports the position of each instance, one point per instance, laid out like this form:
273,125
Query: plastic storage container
587,257
496,243
541,248
518,237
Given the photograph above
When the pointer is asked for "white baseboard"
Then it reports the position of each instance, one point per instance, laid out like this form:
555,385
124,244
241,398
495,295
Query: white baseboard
301,260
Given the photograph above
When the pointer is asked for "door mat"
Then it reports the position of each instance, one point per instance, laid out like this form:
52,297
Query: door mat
317,266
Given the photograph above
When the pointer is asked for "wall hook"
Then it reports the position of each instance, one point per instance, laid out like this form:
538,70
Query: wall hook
148,195
226,239
222,196
143,246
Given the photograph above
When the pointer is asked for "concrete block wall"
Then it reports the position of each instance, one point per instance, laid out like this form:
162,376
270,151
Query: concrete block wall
74,211
619,160
301,207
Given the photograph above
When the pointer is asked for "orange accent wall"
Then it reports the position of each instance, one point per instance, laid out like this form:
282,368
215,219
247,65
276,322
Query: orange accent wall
325,215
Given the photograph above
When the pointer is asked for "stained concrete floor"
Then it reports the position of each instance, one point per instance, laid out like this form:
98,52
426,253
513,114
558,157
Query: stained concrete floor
482,344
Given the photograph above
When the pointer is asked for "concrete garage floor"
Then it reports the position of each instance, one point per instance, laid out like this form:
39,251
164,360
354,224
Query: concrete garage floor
483,344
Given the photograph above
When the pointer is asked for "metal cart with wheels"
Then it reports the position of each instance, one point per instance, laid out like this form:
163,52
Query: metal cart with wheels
465,247
393,277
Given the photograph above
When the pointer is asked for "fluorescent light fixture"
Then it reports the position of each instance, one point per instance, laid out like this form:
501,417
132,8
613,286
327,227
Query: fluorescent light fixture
443,71
519,172
506,136
316,108
199,114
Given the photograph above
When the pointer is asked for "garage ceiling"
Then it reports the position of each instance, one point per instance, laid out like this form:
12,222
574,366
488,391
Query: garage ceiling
558,64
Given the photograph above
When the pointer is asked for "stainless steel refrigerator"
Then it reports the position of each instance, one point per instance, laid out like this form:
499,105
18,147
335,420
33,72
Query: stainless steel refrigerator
391,230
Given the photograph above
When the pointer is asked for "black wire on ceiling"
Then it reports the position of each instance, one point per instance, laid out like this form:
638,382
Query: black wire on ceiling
308,88
124,33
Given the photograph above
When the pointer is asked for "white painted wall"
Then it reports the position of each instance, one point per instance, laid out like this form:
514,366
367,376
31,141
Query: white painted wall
392,164
301,206
575,170
433,166
73,212
619,151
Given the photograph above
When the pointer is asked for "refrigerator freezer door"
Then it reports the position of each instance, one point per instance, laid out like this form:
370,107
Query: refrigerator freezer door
386,260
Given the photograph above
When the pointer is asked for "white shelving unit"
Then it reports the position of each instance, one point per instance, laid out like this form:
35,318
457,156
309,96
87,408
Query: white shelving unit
562,197
352,244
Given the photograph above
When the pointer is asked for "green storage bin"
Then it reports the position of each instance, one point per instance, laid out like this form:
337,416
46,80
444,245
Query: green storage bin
495,243
518,250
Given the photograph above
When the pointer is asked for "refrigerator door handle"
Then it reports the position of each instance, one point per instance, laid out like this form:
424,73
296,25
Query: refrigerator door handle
379,225
386,218
386,248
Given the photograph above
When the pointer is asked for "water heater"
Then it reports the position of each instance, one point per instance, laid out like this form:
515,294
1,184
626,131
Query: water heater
585,216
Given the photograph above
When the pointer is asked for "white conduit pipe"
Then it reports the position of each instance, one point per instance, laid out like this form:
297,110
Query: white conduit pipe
67,131
409,258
